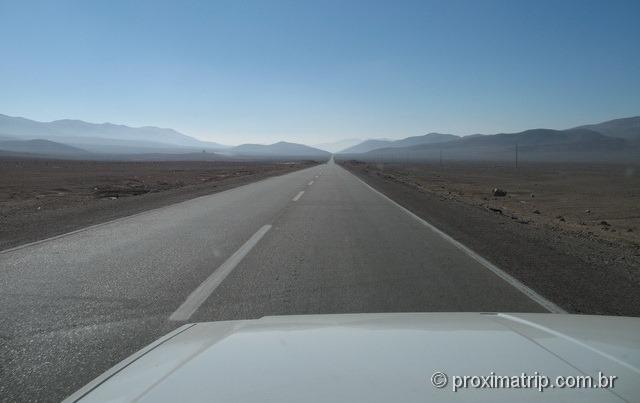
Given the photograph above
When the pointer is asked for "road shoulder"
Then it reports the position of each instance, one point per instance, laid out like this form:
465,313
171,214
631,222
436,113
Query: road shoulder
564,270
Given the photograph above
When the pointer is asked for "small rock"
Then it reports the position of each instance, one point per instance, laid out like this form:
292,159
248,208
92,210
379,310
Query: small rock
536,212
497,192
587,211
561,218
113,198
495,210
532,195
606,224
629,230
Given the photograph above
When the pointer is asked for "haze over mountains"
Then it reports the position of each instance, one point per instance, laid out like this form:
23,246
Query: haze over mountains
625,128
43,146
612,141
373,144
337,146
79,139
277,149
104,137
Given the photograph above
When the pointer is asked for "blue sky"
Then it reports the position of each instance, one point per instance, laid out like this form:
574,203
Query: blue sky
318,71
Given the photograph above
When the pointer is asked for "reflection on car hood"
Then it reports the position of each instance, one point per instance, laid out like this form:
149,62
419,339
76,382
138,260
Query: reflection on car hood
376,358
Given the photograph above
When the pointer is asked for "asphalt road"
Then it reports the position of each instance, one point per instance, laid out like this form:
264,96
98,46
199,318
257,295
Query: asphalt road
313,241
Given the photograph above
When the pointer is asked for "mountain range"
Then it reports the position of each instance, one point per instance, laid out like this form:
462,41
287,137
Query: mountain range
336,146
278,149
615,140
625,128
79,139
373,144
103,137
42,147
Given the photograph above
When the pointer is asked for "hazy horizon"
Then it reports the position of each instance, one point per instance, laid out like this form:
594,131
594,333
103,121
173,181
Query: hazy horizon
326,145
314,73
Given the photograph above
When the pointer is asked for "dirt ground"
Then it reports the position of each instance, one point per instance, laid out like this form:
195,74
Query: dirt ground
42,198
570,231
599,201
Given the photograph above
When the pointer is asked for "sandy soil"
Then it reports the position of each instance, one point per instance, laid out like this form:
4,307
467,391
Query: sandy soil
600,201
42,198
570,231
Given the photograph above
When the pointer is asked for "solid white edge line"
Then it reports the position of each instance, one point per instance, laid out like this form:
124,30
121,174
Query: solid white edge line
542,301
204,290
298,196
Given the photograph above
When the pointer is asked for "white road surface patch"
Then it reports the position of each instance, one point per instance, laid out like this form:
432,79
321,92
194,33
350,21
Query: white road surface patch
310,183
204,290
298,196
542,301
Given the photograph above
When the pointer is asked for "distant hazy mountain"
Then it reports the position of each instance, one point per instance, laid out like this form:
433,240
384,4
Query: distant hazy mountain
92,135
535,137
533,145
336,146
612,141
626,128
282,148
39,146
120,146
4,137
370,145
431,138
367,145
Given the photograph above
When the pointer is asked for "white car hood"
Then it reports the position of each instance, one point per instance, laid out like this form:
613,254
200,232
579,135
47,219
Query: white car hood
375,358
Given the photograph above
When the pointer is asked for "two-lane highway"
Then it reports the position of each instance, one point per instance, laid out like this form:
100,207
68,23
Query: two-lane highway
313,241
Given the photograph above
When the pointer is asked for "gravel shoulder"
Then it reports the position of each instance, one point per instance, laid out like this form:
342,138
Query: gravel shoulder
575,263
43,198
